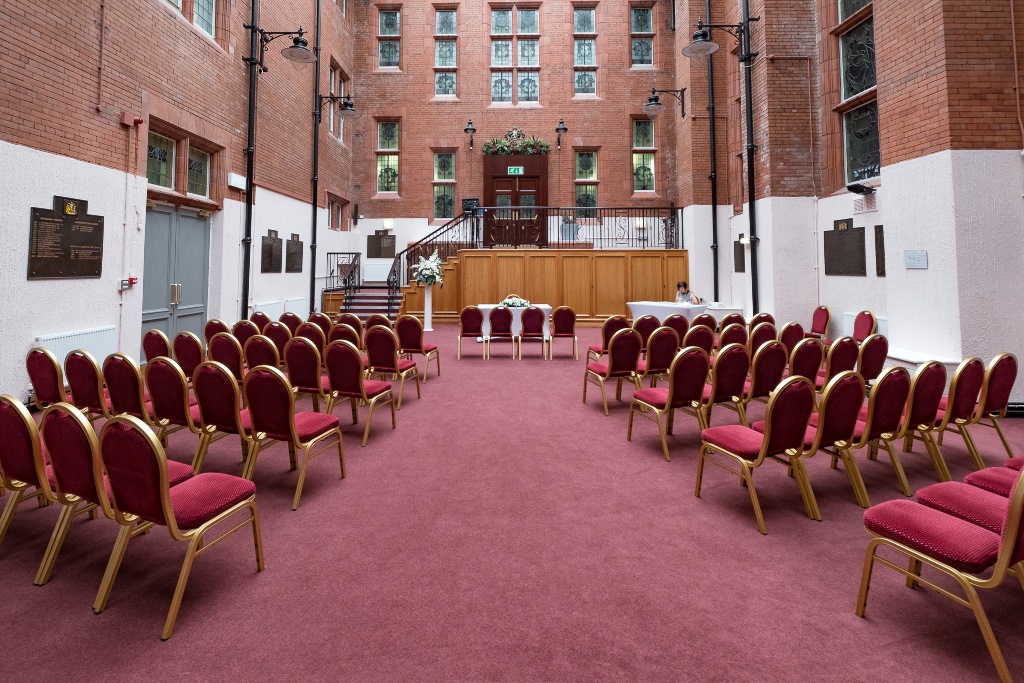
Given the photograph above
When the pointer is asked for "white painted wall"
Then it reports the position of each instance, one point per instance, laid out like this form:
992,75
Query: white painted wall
697,241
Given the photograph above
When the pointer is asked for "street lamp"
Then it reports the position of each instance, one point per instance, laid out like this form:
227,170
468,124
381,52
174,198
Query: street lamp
702,46
559,130
654,105
469,130
298,51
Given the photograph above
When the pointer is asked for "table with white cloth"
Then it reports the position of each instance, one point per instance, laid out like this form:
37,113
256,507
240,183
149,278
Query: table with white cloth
721,311
663,309
517,319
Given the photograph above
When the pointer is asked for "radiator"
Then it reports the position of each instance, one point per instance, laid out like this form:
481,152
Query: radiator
848,318
298,306
99,341
272,308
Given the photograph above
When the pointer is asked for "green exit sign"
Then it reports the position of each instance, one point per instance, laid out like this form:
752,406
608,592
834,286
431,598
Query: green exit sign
515,170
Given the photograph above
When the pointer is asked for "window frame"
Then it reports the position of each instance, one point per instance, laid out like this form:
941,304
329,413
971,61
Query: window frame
585,212
651,150
514,70
389,38
380,152
436,182
173,164
577,37
652,35
836,151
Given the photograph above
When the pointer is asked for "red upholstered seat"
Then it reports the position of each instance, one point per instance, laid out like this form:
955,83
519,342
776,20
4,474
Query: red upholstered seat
809,434
598,368
205,496
960,544
596,348
737,439
226,426
308,426
374,387
966,502
177,472
404,364
1015,463
995,479
655,396
427,348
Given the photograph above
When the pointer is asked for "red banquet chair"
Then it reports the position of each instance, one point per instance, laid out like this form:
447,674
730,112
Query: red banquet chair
291,321
646,325
563,326
140,480
662,346
761,335
188,352
219,411
864,325
871,358
353,321
272,411
806,358
471,324
377,320
922,408
278,333
155,344
313,333
732,334
705,319
623,360
260,350
842,356
685,386
702,337
500,319
958,410
786,418
766,373
534,326
46,376
679,323
321,320
127,391
345,371
382,352
410,341
22,468
612,325
304,363
170,404
759,319
995,394
260,320
790,335
214,326
733,319
242,331
729,371
819,323
88,392
226,350
972,555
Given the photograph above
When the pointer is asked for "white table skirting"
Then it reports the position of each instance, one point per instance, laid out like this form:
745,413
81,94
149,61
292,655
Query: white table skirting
517,320
663,309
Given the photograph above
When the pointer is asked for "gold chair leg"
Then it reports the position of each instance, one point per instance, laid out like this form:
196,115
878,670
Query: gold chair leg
1002,437
986,632
369,418
806,490
575,349
629,426
586,376
9,510
865,578
401,392
257,536
670,425
355,410
604,398
972,448
113,566
908,442
417,378
341,454
179,590
700,471
941,469
743,414
316,403
250,466
437,358
897,467
939,439
292,461
200,456
856,480
394,423
748,479
618,388
913,570
661,430
459,354
302,478
60,532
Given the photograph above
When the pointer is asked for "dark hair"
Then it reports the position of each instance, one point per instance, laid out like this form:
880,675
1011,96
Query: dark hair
681,283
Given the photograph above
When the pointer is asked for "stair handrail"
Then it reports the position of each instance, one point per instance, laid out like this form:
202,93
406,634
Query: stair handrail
441,240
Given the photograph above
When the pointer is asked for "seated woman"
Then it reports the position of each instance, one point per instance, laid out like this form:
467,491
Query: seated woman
684,295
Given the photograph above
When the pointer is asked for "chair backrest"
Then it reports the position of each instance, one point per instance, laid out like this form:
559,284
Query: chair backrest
155,344
533,321
168,391
124,385
382,348
733,319
887,403
612,325
260,350
218,396
662,346
842,356
679,323
375,319
214,326
705,319
873,353
352,320
137,471
345,369
73,452
501,320
792,333
303,361
761,335
21,455
271,403
188,352
925,394
820,319
729,373
345,332
86,381
278,333
563,320
759,319
686,377
767,368
964,390
471,322
409,330
260,320
701,336
785,420
243,330
805,361
321,320
291,321
999,379
45,374
864,325
646,325
735,333
840,406
225,349
313,333
624,353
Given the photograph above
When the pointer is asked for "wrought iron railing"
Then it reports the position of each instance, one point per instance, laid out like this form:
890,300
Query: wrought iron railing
344,274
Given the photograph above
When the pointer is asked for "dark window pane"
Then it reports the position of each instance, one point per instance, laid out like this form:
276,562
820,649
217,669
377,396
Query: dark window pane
501,86
857,47
860,130
643,51
446,22
160,161
640,20
444,83
583,21
586,196
387,135
848,7
528,90
389,24
444,201
389,52
586,83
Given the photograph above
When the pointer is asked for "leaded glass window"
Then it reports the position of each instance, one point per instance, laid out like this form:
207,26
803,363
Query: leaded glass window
389,52
160,161
444,53
585,83
583,53
198,173
529,90
501,53
642,51
643,172
387,135
641,20
643,133
444,201
860,133
444,166
528,21
848,8
583,20
444,83
586,196
390,23
857,57
203,13
529,53
503,200
586,165
387,173
501,21
446,24
501,86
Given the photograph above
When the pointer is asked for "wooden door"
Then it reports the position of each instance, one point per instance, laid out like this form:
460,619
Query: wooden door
518,225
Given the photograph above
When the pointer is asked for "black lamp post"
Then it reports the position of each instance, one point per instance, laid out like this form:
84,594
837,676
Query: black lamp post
469,130
655,107
296,52
703,46
559,130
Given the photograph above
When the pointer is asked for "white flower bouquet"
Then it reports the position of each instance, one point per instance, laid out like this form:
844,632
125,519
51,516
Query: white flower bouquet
513,301
428,271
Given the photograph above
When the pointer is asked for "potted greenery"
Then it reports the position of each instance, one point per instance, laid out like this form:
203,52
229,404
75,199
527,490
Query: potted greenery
570,229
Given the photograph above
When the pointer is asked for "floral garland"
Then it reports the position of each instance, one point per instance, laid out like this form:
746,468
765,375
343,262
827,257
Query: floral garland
428,271
513,301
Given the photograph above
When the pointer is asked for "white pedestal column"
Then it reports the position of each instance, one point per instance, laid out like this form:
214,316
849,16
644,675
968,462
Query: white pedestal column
428,308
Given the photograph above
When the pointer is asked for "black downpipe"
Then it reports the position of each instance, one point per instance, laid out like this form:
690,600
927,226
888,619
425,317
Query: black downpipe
714,160
315,180
748,58
250,154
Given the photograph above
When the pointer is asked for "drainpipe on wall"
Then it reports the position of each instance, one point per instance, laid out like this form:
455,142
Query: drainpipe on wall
315,180
714,161
250,154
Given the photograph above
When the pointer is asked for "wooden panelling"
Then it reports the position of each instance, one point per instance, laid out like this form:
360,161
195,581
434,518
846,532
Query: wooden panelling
648,278
541,278
577,284
609,285
509,276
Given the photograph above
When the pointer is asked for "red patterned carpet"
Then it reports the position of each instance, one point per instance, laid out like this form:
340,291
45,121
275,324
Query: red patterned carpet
506,531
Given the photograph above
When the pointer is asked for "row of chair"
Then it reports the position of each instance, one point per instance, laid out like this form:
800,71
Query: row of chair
534,326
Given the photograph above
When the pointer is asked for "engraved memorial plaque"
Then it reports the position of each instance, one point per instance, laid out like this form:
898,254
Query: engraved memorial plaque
270,261
65,241
844,250
293,255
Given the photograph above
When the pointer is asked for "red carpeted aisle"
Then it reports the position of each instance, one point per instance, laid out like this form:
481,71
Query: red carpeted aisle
507,532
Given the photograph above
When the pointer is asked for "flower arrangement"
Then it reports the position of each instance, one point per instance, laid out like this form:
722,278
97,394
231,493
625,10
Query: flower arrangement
513,301
428,271
531,145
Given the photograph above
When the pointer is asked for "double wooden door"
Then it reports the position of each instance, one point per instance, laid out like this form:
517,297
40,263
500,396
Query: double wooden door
519,224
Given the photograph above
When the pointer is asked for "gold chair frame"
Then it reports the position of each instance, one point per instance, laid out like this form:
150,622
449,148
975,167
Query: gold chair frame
748,395
925,431
545,340
208,433
734,403
959,426
407,353
592,377
993,417
654,377
106,411
551,339
487,337
654,413
411,372
596,357
462,336
384,397
160,333
20,489
165,426
317,394
60,376
161,430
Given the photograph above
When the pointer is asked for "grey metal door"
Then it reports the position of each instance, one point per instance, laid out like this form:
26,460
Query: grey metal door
176,275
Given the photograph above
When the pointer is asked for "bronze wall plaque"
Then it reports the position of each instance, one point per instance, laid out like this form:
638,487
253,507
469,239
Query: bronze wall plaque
293,255
65,241
373,246
381,244
271,253
879,251
844,252
739,257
